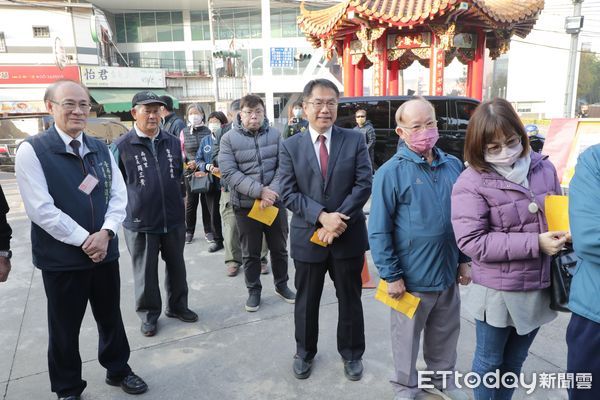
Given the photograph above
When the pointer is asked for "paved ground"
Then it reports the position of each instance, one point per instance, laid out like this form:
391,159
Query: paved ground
229,353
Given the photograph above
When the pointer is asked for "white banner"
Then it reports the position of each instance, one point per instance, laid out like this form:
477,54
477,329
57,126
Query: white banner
122,77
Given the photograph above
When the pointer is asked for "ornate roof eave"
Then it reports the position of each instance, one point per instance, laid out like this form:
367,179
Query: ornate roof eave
516,16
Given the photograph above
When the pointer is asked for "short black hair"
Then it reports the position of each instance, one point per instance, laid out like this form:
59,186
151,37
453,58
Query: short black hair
308,89
251,101
218,115
235,105
168,102
297,103
360,109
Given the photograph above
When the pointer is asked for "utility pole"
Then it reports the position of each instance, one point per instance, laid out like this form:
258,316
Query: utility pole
573,26
212,58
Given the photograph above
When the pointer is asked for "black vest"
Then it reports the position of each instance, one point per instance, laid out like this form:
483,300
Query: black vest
192,139
64,173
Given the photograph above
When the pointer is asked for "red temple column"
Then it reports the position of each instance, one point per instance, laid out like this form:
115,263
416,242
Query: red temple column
358,77
383,65
469,88
436,67
393,78
348,68
477,74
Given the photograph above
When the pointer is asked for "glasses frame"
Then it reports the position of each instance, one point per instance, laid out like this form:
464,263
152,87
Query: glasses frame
318,105
86,108
257,113
420,128
496,151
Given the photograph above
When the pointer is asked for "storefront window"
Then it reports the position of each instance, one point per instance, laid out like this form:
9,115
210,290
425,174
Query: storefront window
148,29
132,27
200,25
120,28
177,25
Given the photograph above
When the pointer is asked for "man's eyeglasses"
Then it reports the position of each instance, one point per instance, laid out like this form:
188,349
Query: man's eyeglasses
71,105
249,113
419,128
495,148
318,104
361,116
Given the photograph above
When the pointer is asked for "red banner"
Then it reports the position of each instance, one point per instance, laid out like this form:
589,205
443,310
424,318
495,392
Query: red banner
36,74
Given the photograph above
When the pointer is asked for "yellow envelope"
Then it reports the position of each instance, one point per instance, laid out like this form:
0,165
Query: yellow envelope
557,213
315,239
407,304
217,174
265,215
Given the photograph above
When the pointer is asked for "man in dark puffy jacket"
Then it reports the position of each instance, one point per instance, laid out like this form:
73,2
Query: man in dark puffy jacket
170,121
366,127
249,160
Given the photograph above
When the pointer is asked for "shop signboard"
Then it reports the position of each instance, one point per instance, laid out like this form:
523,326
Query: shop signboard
94,76
36,74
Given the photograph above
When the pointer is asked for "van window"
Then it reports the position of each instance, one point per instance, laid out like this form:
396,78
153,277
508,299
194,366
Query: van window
464,110
377,112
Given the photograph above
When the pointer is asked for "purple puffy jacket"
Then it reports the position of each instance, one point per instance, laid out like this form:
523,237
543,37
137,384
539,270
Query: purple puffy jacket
494,227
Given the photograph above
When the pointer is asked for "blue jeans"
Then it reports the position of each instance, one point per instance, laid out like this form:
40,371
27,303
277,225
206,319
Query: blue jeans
499,349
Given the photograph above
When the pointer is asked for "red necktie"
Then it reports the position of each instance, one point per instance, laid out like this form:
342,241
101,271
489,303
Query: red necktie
323,156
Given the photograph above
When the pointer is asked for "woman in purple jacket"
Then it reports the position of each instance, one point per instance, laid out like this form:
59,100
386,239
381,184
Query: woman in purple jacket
498,219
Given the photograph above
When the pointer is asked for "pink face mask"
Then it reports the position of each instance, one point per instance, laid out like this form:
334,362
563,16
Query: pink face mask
506,158
423,141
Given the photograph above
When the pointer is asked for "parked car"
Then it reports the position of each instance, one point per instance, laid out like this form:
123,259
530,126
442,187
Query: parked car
452,114
13,130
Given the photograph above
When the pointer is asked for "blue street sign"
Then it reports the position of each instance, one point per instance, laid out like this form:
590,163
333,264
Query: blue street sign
282,57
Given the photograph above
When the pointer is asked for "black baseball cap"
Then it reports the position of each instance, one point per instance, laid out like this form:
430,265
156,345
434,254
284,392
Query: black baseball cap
146,97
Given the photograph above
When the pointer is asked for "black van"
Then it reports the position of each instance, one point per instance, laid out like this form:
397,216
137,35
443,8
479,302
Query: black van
452,112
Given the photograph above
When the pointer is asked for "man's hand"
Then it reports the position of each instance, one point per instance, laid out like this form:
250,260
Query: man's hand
95,245
396,289
191,165
265,203
333,222
4,268
215,170
268,195
326,236
464,274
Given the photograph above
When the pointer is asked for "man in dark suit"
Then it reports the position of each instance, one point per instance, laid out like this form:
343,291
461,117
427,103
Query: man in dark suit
325,175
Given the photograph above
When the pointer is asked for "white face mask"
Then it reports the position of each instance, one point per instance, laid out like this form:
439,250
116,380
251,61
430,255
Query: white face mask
214,128
297,112
195,120
506,158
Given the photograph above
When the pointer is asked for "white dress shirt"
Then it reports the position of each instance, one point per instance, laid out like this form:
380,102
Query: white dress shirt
314,135
40,207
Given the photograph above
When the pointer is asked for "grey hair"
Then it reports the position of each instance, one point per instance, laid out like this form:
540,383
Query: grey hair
51,89
400,111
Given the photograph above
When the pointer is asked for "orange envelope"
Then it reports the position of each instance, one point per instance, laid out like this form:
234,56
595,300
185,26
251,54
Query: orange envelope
407,304
315,239
557,213
265,215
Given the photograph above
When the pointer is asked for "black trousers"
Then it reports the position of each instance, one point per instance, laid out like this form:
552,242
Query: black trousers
345,274
212,200
251,237
191,210
583,342
68,294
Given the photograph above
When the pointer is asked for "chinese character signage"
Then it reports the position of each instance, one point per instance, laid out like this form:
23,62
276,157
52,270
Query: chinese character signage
282,57
94,76
35,74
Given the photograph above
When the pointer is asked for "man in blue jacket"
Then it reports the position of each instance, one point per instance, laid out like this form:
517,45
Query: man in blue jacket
413,247
583,333
151,163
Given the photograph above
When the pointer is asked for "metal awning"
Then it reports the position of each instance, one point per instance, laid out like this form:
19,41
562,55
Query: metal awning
119,100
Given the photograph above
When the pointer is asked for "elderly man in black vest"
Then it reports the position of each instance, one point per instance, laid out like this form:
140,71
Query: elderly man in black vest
76,201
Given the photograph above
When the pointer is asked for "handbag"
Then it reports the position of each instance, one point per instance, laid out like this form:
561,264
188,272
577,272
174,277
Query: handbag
200,182
561,273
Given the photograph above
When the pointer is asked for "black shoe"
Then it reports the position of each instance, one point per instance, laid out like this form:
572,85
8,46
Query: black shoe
186,316
302,367
148,329
286,294
70,398
131,384
253,302
189,237
353,369
216,246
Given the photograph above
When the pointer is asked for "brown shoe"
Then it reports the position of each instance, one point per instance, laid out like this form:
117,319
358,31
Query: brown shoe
232,268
